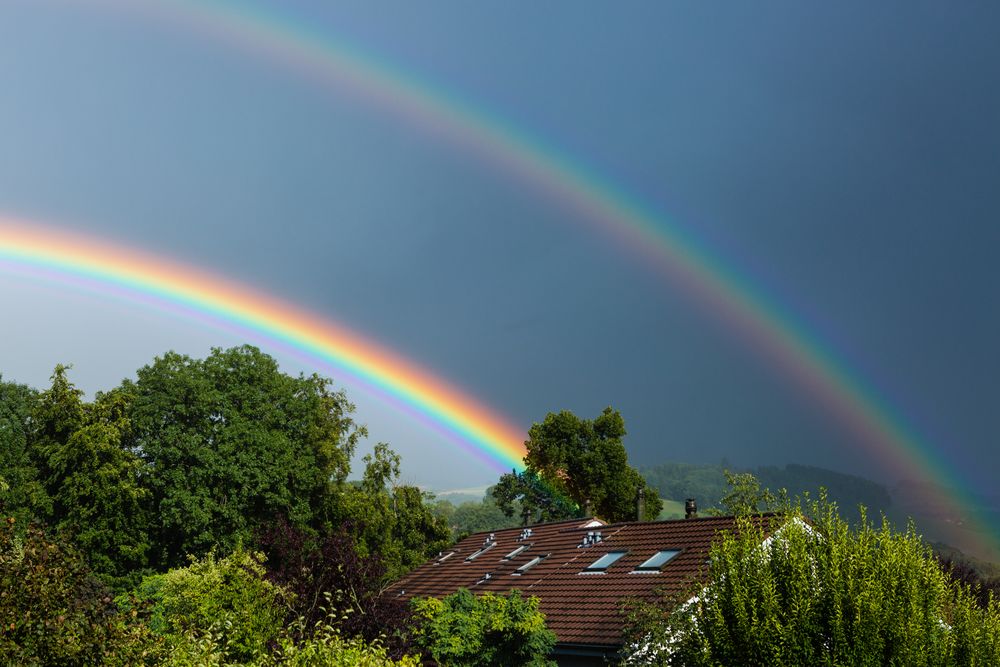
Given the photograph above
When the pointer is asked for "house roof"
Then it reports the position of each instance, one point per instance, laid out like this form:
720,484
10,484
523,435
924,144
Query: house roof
581,608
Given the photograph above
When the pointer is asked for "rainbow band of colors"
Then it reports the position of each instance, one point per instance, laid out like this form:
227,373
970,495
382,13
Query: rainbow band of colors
108,269
282,39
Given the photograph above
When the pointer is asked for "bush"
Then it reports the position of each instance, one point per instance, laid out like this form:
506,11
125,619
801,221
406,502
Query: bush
220,607
53,611
817,592
464,630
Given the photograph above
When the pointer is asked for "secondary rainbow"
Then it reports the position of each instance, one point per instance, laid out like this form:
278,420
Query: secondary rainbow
769,328
30,248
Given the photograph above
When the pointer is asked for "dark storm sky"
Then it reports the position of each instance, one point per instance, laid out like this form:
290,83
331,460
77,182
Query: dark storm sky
845,158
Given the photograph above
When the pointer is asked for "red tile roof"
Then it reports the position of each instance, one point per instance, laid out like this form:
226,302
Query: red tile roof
579,608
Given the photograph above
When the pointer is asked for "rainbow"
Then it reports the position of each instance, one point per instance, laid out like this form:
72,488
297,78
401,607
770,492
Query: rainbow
770,329
32,250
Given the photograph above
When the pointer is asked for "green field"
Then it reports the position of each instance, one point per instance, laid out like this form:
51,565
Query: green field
672,509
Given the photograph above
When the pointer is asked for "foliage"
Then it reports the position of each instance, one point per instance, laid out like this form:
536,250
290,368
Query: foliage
97,491
331,584
464,630
231,442
819,592
53,612
583,460
536,500
707,483
325,645
392,520
226,600
475,517
745,496
23,494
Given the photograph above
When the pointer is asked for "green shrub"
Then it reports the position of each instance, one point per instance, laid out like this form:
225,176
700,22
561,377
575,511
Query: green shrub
216,607
464,630
819,593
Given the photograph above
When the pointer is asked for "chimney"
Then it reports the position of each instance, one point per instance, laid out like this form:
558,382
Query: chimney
586,508
690,509
640,505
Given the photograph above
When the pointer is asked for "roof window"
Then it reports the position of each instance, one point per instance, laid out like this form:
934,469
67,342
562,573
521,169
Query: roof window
530,564
486,548
443,557
517,552
658,560
604,562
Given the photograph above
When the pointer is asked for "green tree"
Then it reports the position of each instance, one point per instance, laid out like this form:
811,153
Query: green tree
800,591
55,416
393,520
98,492
230,442
535,500
745,495
586,461
23,494
464,630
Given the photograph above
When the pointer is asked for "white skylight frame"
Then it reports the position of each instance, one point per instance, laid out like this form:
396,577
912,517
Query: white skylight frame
481,551
517,551
530,564
657,561
601,565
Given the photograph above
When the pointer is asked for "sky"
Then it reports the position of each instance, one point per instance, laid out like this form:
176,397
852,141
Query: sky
842,159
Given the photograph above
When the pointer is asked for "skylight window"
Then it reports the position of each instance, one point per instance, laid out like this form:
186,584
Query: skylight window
530,564
658,560
605,561
516,552
481,551
445,557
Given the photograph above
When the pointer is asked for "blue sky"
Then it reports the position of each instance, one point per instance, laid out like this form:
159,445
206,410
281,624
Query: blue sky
845,158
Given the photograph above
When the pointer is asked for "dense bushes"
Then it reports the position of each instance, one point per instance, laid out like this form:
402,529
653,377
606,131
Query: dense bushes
818,592
465,630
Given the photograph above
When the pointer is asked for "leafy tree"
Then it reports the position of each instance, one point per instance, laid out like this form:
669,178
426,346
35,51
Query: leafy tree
464,630
745,495
586,461
393,520
818,592
533,498
231,442
97,489
23,493
56,415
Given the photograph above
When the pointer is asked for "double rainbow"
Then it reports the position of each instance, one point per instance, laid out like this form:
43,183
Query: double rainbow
731,297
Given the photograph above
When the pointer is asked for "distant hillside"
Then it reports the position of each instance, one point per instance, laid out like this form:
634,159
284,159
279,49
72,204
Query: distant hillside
941,525
707,484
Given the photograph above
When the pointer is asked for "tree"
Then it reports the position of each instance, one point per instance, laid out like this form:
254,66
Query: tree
535,500
818,592
98,494
230,442
585,460
391,519
745,495
464,630
23,493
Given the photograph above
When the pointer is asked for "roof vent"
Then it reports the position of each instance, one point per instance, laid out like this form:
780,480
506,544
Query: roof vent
590,539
